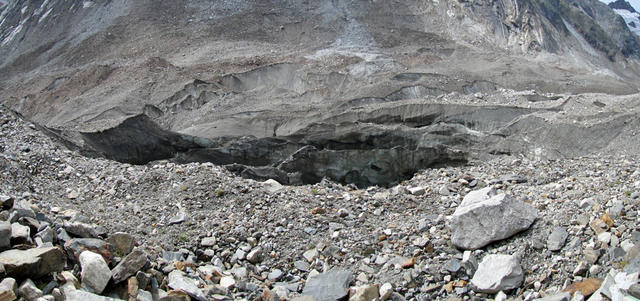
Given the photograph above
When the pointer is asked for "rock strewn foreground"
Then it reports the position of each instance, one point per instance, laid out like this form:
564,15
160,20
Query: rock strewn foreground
196,231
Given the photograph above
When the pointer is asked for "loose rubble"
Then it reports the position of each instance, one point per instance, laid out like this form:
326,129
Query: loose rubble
114,238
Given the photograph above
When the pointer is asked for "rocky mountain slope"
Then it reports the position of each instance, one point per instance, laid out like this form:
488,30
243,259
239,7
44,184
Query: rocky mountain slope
363,92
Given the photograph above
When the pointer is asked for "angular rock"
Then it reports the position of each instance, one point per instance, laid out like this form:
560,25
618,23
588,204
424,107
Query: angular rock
557,239
483,217
76,246
496,273
310,255
208,242
20,234
364,293
5,235
129,266
6,202
32,263
178,281
8,289
29,290
123,243
332,285
80,295
227,282
557,297
275,275
255,255
95,272
83,230
385,291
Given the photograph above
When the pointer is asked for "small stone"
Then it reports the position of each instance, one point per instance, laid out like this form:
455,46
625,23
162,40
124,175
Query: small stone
272,185
598,226
595,269
364,293
255,255
331,285
604,237
497,273
129,265
577,296
586,287
409,263
8,289
581,269
95,272
452,265
179,218
208,242
301,265
557,297
500,296
421,242
557,239
29,290
417,190
310,255
275,275
132,288
607,220
32,263
123,243
227,282
342,212
385,291
362,277
177,281
444,190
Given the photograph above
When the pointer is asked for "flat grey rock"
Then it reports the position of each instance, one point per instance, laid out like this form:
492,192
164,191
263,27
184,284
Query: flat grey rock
178,281
565,296
484,217
557,239
32,263
329,286
129,266
496,273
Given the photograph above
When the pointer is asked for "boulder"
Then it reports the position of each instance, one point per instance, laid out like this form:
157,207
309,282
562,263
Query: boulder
178,281
76,246
123,243
497,272
484,217
95,272
129,265
20,234
29,290
8,289
332,285
32,263
5,235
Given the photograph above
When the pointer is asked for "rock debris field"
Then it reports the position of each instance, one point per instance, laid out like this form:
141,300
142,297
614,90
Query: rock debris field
77,228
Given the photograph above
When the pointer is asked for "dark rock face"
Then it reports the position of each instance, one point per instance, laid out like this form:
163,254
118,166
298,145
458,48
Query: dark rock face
622,4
